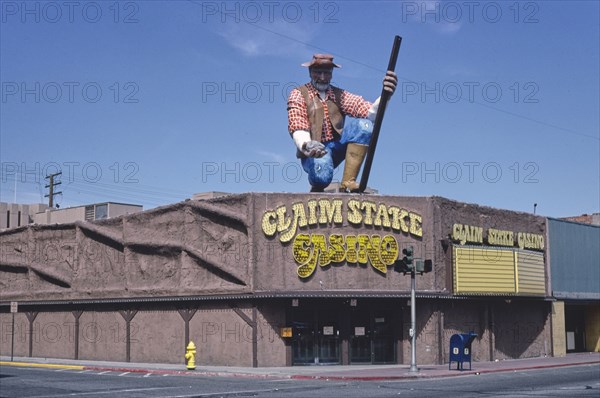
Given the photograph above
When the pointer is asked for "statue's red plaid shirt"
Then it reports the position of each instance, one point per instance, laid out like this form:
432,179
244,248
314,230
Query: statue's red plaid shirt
350,104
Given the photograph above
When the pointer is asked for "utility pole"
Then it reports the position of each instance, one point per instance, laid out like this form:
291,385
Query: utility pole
51,185
413,322
409,264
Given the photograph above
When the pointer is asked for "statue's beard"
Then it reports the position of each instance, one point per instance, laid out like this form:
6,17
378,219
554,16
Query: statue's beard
320,86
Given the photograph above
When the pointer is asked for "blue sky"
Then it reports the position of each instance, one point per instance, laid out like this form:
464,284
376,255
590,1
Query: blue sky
149,102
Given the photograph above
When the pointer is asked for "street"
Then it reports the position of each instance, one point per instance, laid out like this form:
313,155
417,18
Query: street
575,381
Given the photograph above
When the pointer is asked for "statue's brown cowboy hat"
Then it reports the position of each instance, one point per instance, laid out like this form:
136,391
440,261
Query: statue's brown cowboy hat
322,61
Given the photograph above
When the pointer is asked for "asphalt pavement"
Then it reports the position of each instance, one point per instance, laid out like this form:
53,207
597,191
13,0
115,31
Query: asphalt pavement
323,372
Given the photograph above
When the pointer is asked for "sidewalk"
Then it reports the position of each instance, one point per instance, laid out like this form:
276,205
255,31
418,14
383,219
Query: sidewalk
333,372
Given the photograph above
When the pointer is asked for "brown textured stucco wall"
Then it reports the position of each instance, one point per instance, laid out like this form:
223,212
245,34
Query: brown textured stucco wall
221,337
157,336
219,247
102,336
279,271
271,346
188,248
21,336
521,330
53,335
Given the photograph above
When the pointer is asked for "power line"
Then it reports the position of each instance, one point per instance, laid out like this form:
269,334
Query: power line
106,191
461,97
51,185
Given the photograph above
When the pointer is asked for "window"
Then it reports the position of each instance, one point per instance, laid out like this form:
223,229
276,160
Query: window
89,213
101,212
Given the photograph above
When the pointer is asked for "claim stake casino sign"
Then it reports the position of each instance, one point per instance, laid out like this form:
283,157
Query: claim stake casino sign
312,249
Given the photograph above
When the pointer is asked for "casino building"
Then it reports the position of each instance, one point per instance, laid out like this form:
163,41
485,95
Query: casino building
275,279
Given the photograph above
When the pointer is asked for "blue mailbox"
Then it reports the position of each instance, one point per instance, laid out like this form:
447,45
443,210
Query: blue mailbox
460,349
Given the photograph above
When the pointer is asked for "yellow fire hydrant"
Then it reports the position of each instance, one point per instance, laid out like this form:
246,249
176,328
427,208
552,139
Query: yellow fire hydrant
190,355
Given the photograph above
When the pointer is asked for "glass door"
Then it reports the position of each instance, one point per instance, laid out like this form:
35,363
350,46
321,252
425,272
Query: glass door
383,338
316,337
303,342
360,337
371,337
329,338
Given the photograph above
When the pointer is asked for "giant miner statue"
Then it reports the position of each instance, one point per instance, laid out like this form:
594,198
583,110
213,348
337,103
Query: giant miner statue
316,121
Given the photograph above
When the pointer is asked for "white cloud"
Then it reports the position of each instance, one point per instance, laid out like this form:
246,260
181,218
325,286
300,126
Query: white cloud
278,38
433,14
276,157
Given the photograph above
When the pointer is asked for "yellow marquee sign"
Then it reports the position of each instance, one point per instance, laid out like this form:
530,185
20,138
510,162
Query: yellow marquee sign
464,233
312,249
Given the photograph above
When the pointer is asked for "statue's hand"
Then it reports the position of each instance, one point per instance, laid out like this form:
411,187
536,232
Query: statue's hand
389,82
313,149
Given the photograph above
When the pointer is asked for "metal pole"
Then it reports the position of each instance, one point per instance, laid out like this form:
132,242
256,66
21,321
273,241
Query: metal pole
385,96
12,344
413,322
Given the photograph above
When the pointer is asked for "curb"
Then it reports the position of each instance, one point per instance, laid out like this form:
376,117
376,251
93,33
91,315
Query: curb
143,370
42,365
405,376
186,372
409,376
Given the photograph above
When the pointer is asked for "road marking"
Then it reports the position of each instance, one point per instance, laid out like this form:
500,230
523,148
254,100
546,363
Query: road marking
41,365
246,392
105,372
124,373
109,392
147,374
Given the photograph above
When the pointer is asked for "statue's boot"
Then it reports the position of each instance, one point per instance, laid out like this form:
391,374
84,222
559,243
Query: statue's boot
355,154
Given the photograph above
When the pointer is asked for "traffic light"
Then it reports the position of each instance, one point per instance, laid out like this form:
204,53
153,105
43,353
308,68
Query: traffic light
408,256
423,265
400,266
405,264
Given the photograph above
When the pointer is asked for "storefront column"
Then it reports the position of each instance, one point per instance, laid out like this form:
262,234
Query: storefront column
345,329
186,314
440,316
558,335
398,333
77,315
128,316
491,328
31,317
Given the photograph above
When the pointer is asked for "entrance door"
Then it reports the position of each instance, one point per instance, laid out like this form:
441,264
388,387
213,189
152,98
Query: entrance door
575,328
329,338
383,338
303,343
360,337
316,337
371,337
